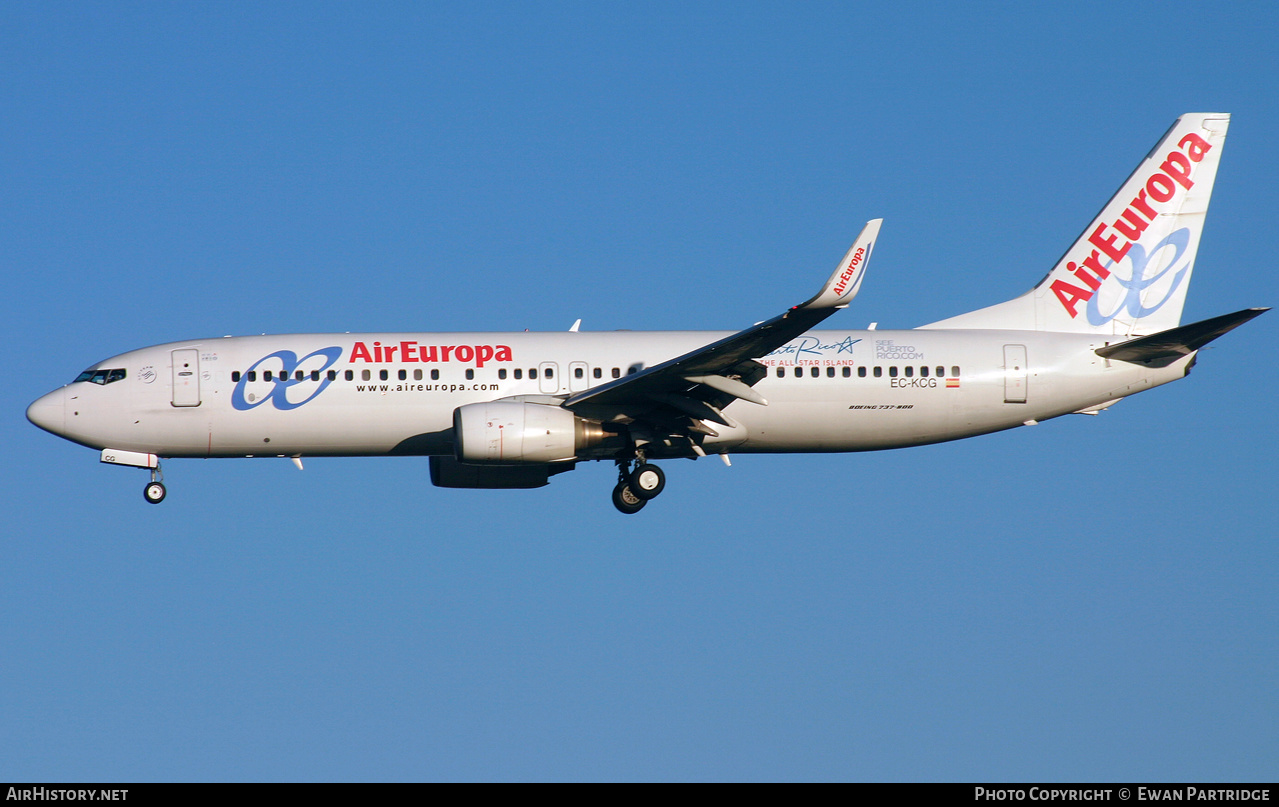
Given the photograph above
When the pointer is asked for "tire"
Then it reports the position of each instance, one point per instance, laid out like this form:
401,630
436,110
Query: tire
154,492
647,481
625,500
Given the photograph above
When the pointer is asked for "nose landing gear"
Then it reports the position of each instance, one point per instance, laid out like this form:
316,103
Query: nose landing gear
155,491
636,487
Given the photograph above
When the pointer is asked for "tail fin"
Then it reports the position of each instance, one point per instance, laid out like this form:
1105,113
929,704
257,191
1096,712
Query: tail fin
1129,270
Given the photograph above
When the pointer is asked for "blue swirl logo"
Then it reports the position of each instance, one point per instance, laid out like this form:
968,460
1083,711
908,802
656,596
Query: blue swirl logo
1138,282
285,379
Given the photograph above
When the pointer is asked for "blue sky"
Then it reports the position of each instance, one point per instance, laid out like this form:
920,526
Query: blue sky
1089,599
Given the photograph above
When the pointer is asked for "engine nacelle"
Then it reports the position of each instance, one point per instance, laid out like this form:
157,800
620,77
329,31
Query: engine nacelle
509,433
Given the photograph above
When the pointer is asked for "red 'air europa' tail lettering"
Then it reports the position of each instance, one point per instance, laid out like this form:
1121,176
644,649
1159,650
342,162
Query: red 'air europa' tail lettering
1116,238
408,352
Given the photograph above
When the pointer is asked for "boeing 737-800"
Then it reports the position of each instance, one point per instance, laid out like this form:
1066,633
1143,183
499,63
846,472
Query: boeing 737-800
510,410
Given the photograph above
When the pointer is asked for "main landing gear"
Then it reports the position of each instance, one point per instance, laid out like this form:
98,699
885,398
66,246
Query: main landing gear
636,486
155,491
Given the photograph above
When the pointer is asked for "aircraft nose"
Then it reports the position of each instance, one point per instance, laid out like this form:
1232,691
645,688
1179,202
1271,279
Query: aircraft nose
49,411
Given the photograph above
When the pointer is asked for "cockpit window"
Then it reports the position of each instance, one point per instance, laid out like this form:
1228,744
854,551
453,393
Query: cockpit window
102,376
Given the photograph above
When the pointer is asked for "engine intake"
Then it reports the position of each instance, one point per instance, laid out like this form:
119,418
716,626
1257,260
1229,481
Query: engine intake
511,433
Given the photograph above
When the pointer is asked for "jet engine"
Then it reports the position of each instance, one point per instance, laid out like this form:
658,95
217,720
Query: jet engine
513,433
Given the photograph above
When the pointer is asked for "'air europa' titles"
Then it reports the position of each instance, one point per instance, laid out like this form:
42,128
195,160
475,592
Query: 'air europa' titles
842,285
408,352
1115,239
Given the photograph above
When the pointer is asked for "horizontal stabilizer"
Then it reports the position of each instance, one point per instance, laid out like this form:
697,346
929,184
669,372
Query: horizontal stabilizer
1163,348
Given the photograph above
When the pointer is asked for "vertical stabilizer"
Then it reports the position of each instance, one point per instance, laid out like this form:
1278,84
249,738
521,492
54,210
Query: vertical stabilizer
1128,271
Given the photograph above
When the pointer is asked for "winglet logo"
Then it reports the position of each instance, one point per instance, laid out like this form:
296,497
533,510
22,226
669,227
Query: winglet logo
1122,236
850,271
285,379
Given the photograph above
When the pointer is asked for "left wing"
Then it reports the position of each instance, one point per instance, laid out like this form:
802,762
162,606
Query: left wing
676,395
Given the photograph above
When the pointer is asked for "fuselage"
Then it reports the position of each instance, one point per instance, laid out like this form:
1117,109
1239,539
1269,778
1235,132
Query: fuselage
510,410
395,393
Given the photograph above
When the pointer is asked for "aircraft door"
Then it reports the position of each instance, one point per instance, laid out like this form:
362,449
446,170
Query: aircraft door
186,377
548,379
1015,373
577,376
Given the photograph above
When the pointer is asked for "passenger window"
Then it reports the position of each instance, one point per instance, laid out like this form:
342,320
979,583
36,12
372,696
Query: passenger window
632,370
799,372
617,372
266,375
550,372
253,375
532,373
382,375
879,372
435,375
954,370
597,372
923,372
519,374
365,375
297,375
350,375
332,375
315,375
892,371
470,375
781,372
815,372
861,371
848,371
235,376
578,372
502,373
417,375
910,371
404,375
941,371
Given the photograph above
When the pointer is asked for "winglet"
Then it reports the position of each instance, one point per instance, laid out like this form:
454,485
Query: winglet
847,279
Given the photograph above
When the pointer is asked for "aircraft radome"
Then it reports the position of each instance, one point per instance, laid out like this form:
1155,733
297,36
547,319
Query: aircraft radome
511,410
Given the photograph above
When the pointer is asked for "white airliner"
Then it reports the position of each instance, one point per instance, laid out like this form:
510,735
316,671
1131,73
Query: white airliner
510,410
